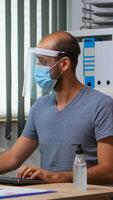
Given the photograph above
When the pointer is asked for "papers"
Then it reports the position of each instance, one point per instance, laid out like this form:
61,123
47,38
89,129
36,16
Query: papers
10,192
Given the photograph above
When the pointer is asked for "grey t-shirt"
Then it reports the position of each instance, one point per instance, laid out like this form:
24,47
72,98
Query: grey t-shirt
85,120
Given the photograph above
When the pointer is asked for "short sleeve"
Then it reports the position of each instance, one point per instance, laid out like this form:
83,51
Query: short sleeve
104,118
30,128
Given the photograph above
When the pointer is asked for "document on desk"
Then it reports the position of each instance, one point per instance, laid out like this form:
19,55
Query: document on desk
10,191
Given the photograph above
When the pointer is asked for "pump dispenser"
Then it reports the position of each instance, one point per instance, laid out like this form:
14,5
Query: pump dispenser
80,169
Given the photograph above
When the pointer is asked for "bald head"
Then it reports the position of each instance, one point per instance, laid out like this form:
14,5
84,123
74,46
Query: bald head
62,41
52,39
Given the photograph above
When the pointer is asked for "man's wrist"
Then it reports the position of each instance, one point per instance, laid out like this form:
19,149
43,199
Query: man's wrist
63,177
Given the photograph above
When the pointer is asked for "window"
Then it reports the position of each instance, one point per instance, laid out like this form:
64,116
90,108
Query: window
50,16
2,60
14,53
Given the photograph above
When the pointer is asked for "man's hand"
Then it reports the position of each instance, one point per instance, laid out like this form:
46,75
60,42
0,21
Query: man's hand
49,177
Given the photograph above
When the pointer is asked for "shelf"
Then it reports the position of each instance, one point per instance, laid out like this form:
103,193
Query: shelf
101,17
103,5
100,3
96,27
98,22
98,13
95,32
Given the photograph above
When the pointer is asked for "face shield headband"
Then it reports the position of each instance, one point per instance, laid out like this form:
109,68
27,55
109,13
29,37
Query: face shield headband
29,86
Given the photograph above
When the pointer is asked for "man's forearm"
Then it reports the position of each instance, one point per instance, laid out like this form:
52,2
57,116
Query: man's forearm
64,176
6,163
100,174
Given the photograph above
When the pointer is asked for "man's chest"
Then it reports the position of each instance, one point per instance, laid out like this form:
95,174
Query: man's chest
74,125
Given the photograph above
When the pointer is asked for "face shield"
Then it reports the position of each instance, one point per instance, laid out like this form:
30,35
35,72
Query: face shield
30,87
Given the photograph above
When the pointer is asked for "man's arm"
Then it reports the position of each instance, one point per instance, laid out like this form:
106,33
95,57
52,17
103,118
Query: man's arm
102,173
13,158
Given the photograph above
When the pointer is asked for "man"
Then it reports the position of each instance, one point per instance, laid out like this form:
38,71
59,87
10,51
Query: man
72,114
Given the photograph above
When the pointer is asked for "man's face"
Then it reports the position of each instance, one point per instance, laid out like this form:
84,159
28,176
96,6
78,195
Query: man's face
50,62
56,64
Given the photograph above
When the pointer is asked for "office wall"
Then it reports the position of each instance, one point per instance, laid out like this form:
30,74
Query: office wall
74,14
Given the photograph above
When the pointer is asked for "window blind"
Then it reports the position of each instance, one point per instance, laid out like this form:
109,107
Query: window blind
22,24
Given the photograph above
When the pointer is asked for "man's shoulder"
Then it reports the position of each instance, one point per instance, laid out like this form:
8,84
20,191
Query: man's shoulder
98,96
44,100
95,92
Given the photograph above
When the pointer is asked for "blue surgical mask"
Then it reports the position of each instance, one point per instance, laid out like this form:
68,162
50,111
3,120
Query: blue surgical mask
43,78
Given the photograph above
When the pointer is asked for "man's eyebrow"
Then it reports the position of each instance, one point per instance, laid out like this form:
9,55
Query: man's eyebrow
40,58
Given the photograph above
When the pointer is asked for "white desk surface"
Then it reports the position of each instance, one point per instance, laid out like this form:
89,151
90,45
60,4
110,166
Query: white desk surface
66,191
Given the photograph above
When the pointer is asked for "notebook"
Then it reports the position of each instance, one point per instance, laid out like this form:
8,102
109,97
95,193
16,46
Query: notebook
19,181
13,191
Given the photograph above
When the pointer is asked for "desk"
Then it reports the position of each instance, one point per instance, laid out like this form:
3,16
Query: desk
66,191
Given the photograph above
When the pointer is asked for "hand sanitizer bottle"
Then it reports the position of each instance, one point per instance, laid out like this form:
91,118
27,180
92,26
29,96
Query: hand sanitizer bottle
80,170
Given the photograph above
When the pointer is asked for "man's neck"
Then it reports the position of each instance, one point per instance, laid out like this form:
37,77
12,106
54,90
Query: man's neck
66,94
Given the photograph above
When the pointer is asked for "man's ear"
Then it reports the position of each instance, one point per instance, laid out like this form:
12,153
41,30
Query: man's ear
65,63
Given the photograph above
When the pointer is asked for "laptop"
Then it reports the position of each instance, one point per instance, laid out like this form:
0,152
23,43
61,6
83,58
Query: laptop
19,181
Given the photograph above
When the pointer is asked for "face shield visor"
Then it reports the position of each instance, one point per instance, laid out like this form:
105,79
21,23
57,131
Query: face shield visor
30,87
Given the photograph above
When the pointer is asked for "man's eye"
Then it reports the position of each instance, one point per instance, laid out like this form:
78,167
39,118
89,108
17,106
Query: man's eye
42,63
